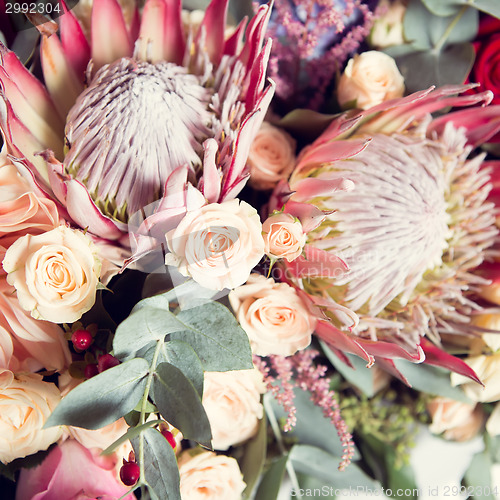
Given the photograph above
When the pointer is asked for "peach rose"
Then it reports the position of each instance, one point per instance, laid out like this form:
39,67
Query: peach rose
369,79
217,244
273,316
271,157
20,208
207,476
284,237
487,369
232,402
26,402
457,421
55,274
388,29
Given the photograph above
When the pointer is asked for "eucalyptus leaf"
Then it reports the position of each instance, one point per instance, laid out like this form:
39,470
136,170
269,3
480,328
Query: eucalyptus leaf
430,379
160,465
270,484
103,399
452,7
130,434
305,123
312,427
360,376
142,327
317,462
216,337
159,301
478,475
179,403
425,68
254,456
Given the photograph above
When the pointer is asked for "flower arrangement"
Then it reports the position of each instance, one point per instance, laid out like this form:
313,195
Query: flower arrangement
249,251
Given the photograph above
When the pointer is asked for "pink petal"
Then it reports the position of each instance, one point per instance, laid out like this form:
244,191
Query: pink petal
336,339
109,43
212,27
232,44
437,357
339,126
211,177
174,34
255,36
388,365
151,45
74,42
317,263
309,188
85,213
331,151
310,216
22,107
257,76
60,79
31,88
392,350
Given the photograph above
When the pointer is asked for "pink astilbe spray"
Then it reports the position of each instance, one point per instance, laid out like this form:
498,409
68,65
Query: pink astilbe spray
300,371
311,42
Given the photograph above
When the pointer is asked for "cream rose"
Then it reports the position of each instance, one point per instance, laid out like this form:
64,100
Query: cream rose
273,316
369,79
207,476
284,237
20,208
55,274
487,369
217,244
271,157
388,29
26,401
232,402
457,421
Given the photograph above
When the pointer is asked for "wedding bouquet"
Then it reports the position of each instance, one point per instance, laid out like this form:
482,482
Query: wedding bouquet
248,251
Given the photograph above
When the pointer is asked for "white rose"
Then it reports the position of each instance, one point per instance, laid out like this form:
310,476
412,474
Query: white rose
232,402
207,476
218,244
284,237
26,402
487,368
369,79
55,274
388,29
271,157
273,316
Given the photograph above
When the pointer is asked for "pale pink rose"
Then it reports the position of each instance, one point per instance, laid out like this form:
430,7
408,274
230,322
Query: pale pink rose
26,401
273,316
70,472
487,368
218,244
457,421
21,210
284,237
271,157
232,402
55,274
369,79
388,28
207,476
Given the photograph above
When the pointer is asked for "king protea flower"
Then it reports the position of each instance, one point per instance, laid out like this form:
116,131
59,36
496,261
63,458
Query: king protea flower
411,229
132,109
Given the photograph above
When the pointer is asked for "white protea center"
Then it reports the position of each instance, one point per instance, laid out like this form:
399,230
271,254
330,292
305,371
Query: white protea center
415,224
134,124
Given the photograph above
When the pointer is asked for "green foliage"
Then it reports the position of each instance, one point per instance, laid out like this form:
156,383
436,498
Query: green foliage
163,360
452,7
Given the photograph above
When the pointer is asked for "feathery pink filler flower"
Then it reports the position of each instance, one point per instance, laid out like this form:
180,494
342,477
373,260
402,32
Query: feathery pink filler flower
138,113
408,213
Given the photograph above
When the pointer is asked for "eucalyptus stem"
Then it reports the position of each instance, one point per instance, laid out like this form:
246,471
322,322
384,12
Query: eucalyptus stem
439,45
142,419
279,439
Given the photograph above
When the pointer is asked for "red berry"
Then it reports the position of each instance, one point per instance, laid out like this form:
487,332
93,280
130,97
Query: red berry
106,361
90,370
81,340
129,473
169,437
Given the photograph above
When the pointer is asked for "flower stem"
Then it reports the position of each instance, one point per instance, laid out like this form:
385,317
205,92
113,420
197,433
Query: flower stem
439,44
279,440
